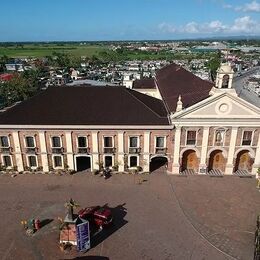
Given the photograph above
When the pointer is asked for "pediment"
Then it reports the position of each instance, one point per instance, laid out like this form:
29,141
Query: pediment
221,106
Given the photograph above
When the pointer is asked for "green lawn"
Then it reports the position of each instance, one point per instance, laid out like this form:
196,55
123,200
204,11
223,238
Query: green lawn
42,50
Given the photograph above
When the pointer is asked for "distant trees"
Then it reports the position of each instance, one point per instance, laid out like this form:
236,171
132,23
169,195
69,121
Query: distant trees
63,60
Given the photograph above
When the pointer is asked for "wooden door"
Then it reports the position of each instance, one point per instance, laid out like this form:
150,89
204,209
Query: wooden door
190,160
217,161
244,161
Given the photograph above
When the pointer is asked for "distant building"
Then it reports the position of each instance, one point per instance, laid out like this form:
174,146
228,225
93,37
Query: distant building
15,67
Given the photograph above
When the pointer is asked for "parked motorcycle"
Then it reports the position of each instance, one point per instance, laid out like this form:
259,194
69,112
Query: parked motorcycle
106,173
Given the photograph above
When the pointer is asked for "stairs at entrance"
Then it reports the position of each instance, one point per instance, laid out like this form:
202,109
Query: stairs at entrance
188,172
242,173
215,172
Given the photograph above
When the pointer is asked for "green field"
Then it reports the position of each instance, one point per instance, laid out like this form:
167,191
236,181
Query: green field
43,50
100,50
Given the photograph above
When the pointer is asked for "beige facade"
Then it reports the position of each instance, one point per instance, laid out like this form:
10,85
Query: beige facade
177,148
69,149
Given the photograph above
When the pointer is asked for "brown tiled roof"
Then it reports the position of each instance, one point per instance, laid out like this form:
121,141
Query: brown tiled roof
173,80
145,83
81,105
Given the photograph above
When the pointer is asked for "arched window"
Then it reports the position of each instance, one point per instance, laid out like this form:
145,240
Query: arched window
225,81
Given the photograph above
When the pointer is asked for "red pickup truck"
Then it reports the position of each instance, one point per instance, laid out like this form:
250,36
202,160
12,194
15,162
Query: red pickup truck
99,216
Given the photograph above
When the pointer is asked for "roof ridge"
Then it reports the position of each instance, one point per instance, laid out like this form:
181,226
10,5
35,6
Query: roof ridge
129,92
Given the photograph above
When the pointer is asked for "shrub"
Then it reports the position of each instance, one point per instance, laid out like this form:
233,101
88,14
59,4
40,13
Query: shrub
39,168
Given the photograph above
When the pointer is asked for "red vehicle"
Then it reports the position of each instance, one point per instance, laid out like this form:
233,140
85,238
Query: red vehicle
99,216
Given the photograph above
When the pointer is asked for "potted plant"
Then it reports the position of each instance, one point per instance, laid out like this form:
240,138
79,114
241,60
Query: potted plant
39,169
2,168
66,168
115,167
27,169
51,169
96,172
139,168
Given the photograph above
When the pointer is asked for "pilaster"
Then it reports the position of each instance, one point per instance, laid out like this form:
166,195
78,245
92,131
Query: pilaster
146,152
43,149
256,164
17,151
121,151
176,152
204,149
231,151
95,153
69,150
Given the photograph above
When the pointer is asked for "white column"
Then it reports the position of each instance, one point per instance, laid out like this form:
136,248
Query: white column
69,150
230,80
146,152
121,151
43,149
17,152
176,152
95,159
204,149
232,146
256,164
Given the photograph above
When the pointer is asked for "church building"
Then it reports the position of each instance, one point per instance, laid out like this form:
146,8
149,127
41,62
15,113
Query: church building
191,125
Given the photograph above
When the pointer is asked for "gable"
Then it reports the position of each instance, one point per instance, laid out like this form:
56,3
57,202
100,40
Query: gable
221,106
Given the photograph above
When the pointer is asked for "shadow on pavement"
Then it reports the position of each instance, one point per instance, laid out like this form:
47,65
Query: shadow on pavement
119,212
45,222
91,258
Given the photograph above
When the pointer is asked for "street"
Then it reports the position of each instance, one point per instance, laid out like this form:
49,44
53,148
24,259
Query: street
238,84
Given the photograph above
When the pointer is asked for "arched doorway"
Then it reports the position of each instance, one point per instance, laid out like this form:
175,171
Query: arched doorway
244,161
217,161
83,163
158,162
190,162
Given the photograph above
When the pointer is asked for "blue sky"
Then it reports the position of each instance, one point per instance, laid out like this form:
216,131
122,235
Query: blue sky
54,20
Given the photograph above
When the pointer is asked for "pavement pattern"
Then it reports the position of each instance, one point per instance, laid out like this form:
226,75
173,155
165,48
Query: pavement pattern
157,216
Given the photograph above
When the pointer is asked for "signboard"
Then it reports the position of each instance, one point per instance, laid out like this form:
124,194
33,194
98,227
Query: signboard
83,236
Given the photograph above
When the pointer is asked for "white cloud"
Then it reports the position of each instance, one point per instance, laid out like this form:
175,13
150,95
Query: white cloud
245,25
242,25
227,6
253,6
168,28
191,27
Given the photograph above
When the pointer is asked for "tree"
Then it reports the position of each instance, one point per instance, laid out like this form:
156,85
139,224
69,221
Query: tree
19,88
214,64
3,60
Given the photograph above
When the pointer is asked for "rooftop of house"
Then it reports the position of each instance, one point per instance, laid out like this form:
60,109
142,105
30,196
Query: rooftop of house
173,80
146,83
81,105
